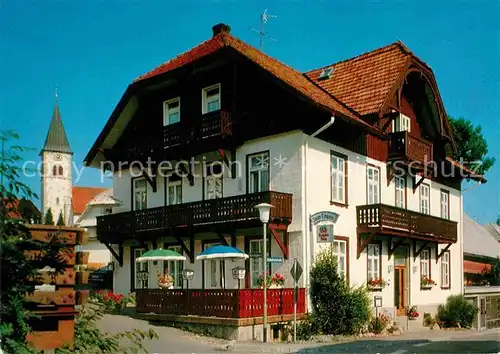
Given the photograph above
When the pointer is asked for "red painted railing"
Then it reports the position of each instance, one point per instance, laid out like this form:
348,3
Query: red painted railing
242,303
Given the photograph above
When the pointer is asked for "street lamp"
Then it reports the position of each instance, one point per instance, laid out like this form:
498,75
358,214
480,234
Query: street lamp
238,274
187,274
264,211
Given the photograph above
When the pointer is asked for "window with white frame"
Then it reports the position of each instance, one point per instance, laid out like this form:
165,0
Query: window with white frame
140,194
172,111
445,204
211,99
373,252
445,270
140,267
258,172
213,181
339,166
174,268
340,253
174,191
256,262
373,184
425,199
213,270
425,264
400,192
401,123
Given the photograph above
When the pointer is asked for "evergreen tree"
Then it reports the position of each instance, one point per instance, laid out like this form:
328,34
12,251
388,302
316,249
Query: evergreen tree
49,217
60,221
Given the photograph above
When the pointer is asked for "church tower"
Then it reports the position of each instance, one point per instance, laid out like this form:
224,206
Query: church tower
57,159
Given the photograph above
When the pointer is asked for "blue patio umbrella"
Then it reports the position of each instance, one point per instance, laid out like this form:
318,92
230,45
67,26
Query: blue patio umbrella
222,253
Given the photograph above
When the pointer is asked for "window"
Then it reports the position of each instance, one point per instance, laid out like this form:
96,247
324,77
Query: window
213,181
339,178
140,194
400,192
401,123
60,171
174,191
340,252
211,99
213,274
57,201
54,171
172,111
425,264
258,172
256,262
445,204
374,258
425,199
140,267
174,268
373,184
445,270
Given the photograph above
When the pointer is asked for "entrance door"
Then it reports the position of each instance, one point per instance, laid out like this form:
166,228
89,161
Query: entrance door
482,312
400,289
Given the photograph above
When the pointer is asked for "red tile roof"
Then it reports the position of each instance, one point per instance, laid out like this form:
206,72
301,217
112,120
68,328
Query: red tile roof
81,196
283,72
468,172
364,82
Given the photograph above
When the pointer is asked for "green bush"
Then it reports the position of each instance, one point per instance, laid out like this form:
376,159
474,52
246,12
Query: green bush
379,324
457,312
337,308
307,328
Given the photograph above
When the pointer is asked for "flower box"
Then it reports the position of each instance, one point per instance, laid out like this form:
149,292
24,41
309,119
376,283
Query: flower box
375,287
82,258
426,287
82,278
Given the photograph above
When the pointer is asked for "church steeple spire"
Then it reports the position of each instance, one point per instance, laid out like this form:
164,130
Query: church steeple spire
56,140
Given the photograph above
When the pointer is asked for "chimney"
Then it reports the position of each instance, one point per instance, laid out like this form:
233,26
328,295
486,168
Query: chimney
219,28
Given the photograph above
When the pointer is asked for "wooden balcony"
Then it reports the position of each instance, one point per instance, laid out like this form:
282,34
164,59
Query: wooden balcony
131,224
393,221
406,147
243,303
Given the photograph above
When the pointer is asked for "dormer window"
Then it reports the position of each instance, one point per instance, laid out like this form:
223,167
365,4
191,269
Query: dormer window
325,74
401,123
211,99
172,111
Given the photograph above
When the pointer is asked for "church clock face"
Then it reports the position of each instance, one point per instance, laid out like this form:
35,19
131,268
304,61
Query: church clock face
58,157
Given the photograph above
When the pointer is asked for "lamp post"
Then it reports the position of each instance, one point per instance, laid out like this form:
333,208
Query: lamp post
238,274
187,275
264,210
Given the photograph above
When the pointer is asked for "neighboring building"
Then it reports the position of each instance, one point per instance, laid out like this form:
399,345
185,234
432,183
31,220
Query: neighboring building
481,251
494,230
258,119
58,192
22,209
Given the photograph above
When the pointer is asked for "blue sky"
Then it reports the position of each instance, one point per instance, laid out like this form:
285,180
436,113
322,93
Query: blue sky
92,50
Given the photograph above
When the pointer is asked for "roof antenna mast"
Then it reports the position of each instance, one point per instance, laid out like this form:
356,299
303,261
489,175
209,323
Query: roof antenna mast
264,17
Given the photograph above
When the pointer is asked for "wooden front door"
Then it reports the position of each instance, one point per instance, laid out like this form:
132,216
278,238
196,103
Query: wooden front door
400,289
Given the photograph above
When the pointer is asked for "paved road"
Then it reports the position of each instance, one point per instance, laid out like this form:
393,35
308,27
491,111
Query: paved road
173,340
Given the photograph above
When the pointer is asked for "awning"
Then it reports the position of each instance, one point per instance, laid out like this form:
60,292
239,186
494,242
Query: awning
471,267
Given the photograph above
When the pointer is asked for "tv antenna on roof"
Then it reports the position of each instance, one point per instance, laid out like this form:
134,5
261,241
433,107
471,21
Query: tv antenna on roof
262,34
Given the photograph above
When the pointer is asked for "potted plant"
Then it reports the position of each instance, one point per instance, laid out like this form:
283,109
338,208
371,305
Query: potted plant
412,313
165,281
376,284
268,279
426,282
278,281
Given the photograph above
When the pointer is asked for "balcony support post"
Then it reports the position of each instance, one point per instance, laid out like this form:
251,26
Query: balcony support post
392,247
364,244
390,173
118,256
187,170
222,238
233,238
150,179
416,252
191,244
282,243
229,162
189,252
440,254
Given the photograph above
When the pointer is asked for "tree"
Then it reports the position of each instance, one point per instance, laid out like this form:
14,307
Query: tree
60,221
49,217
472,148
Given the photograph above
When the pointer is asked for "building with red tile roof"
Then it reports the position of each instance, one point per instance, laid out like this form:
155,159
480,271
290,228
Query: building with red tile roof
81,196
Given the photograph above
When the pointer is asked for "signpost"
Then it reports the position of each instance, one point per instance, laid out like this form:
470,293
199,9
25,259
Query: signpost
296,273
274,259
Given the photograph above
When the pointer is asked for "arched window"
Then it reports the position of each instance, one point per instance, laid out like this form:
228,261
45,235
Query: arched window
57,201
54,170
60,171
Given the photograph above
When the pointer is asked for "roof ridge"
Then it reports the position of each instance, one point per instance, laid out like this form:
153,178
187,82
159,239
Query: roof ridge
364,55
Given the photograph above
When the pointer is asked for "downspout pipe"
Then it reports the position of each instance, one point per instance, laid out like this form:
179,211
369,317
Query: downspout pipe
308,249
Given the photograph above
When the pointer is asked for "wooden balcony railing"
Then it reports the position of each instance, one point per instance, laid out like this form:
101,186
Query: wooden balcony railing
225,303
405,146
241,207
393,220
218,123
